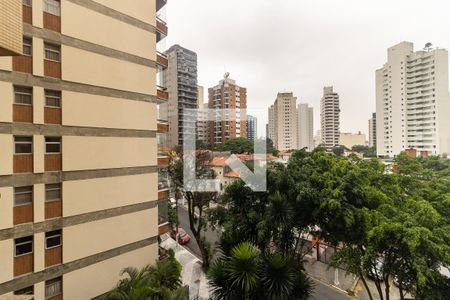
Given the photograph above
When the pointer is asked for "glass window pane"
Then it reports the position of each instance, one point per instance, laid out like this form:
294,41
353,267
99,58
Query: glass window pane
53,287
27,49
24,245
23,195
52,7
53,192
53,98
23,95
53,239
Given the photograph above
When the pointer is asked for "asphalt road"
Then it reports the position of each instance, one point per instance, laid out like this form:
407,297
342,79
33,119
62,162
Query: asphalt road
321,290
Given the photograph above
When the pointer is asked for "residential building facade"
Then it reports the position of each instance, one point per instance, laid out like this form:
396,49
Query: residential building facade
305,124
349,140
413,101
78,124
202,117
373,130
180,80
330,117
283,122
227,95
252,127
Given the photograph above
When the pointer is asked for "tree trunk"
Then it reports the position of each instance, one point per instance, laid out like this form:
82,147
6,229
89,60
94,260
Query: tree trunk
386,286
378,285
400,288
365,285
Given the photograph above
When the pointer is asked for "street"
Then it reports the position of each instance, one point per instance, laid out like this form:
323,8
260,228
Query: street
321,290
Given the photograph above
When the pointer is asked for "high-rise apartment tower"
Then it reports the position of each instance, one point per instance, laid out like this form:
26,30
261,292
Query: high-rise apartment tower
227,95
329,117
305,123
413,101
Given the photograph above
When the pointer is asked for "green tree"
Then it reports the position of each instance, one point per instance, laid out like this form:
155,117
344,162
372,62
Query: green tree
248,273
159,282
238,145
198,202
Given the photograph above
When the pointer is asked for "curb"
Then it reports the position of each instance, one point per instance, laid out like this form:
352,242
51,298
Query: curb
330,285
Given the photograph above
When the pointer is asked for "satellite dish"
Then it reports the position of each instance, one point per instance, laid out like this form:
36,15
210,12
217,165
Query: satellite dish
226,75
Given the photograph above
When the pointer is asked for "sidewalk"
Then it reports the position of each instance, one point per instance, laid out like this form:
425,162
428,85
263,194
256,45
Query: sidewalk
321,272
192,273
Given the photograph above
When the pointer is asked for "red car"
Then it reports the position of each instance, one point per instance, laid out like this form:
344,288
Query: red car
183,236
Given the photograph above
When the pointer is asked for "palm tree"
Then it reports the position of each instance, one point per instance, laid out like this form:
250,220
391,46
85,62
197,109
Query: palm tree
158,282
135,286
247,273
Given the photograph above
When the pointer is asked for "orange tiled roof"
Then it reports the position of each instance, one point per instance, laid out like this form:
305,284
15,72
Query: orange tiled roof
231,174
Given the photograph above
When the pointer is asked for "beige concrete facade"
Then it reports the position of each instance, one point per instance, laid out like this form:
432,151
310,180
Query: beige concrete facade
283,125
105,162
349,139
10,28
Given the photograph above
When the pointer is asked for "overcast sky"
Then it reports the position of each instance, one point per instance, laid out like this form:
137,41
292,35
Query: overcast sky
302,45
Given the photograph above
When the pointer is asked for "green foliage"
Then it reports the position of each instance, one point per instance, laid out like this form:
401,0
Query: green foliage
237,146
248,273
159,282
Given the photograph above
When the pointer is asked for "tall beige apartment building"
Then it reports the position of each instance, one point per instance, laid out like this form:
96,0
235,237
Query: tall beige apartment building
283,122
413,101
305,124
329,118
78,140
227,95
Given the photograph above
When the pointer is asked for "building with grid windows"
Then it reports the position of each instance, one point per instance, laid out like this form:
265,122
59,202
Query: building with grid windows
78,138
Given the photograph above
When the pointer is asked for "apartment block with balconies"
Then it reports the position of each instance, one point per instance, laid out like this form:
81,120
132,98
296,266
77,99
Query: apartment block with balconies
413,102
79,139
330,118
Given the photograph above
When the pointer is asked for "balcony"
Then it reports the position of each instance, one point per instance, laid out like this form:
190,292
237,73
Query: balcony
161,29
160,4
163,217
161,59
161,93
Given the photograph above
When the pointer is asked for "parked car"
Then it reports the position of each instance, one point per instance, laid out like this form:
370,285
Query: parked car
183,236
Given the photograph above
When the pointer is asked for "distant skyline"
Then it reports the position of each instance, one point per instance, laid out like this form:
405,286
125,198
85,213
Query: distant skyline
302,46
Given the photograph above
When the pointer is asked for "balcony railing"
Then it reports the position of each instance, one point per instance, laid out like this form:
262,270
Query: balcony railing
161,59
160,4
161,26
161,93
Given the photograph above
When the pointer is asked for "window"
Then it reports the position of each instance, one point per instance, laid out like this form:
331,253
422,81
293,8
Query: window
23,195
23,144
53,192
27,2
23,95
25,291
23,246
27,46
52,52
53,287
53,145
52,239
52,98
52,7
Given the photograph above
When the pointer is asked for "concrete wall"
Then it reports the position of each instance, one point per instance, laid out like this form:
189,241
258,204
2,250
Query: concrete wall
84,196
115,152
120,113
94,237
127,38
106,274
